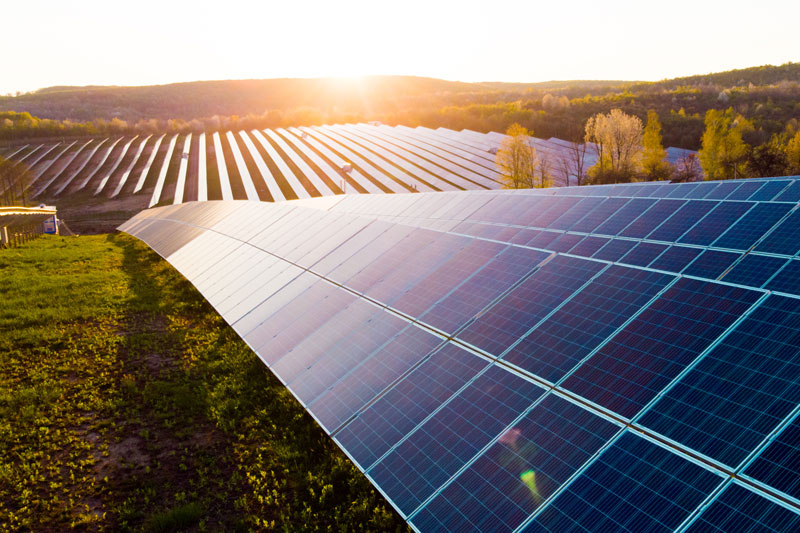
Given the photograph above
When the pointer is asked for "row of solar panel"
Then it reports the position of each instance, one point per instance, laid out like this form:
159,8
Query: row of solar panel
433,416
630,231
754,190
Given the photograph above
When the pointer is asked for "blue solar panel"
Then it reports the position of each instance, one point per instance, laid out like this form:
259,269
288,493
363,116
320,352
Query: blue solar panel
633,486
588,246
754,270
565,242
746,190
676,258
715,223
624,216
543,239
656,215
638,362
413,470
384,423
520,471
681,220
786,280
472,296
599,215
643,254
438,283
740,509
752,226
779,464
575,213
711,264
341,383
783,240
510,318
696,368
740,391
769,191
701,190
615,249
789,194
579,327
723,190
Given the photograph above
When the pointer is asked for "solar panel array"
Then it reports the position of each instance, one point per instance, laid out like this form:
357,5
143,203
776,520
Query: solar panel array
598,358
273,165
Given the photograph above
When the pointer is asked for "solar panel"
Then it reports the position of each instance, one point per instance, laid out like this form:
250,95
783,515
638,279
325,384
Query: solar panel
506,380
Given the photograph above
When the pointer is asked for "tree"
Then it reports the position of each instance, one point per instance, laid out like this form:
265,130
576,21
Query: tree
687,168
653,156
544,177
724,152
517,159
767,160
617,139
792,151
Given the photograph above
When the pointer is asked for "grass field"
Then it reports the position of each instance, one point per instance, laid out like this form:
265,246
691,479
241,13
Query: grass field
126,403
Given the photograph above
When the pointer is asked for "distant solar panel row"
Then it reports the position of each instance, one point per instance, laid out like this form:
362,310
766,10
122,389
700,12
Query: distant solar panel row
501,381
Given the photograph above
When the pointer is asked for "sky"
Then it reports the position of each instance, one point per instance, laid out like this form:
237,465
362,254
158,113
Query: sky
48,43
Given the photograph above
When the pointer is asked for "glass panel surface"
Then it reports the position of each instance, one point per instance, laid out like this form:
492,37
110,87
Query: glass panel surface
638,362
634,485
446,441
522,469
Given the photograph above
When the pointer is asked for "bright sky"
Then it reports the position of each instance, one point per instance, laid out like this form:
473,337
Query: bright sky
152,42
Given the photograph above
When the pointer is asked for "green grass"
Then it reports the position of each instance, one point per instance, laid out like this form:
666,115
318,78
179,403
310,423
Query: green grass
126,403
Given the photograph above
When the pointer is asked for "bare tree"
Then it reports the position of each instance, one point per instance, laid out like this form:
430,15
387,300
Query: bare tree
573,163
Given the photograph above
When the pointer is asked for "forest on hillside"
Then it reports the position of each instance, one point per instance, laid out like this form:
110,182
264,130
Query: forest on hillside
768,97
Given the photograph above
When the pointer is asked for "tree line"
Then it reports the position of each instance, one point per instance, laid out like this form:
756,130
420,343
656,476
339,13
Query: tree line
625,150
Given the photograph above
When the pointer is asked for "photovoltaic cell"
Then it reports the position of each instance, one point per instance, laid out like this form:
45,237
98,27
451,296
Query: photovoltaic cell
779,464
639,361
789,194
676,258
633,486
381,425
575,213
740,509
711,264
521,470
783,240
354,379
754,270
715,223
746,190
681,220
624,216
752,226
588,246
419,465
723,190
599,215
643,254
647,222
615,249
472,296
510,318
564,243
741,390
786,280
770,190
543,239
419,298
579,327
